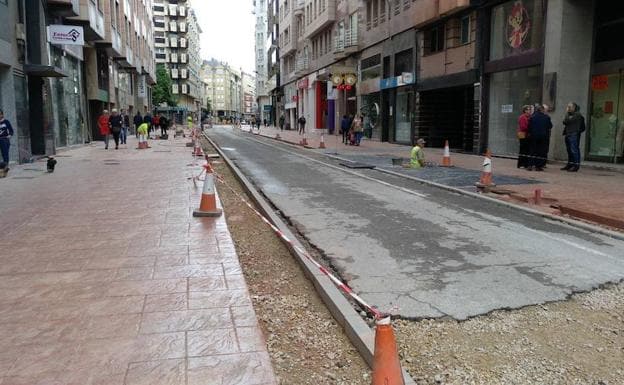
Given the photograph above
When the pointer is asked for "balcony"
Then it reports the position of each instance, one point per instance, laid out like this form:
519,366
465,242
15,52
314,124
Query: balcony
64,8
127,61
289,46
116,42
298,7
92,19
127,9
322,20
303,64
346,45
447,7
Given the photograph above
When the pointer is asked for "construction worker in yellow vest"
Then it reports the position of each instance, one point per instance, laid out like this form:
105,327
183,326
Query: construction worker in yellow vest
417,158
190,122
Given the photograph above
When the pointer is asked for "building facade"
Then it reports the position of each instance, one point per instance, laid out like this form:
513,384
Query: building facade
176,41
263,99
457,70
224,88
248,94
53,89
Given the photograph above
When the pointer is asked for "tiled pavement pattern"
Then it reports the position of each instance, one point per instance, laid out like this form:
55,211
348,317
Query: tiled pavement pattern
107,279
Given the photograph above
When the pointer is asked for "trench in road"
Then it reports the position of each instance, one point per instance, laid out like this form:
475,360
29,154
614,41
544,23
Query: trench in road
419,250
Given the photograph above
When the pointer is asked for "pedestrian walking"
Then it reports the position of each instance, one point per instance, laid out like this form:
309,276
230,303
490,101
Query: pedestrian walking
265,122
539,137
358,130
104,126
138,120
573,127
282,119
258,121
164,126
523,137
124,129
116,124
302,123
345,126
6,132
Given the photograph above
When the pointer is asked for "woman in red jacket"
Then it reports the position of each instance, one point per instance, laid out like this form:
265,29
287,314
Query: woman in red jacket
104,126
523,137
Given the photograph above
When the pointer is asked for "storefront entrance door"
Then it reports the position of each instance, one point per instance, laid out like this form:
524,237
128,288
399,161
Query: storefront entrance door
606,132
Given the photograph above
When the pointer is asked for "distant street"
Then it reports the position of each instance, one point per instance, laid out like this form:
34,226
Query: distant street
419,251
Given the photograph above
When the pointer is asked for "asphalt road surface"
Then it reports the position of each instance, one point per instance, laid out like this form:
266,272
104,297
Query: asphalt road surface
419,251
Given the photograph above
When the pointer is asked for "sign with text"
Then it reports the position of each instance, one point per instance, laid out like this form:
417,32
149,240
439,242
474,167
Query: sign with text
65,34
141,87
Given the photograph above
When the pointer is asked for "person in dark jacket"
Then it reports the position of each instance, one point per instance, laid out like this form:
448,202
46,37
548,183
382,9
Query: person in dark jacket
124,129
6,132
164,125
345,126
147,118
115,122
138,120
539,137
573,127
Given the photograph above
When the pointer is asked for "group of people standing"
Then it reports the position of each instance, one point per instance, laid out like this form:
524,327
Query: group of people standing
117,124
534,130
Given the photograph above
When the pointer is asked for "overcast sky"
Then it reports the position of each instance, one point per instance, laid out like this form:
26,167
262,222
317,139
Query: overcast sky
228,31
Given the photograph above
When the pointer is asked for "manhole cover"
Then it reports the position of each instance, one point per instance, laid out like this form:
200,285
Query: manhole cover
357,165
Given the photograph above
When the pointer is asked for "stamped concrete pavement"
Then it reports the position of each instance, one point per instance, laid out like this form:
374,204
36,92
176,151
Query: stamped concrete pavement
107,279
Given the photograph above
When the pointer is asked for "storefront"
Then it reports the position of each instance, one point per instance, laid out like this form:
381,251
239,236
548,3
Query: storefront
67,109
369,91
513,69
398,107
605,139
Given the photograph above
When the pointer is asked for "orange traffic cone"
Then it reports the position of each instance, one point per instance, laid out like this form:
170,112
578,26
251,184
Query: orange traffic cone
322,144
208,204
446,158
486,173
386,365
197,151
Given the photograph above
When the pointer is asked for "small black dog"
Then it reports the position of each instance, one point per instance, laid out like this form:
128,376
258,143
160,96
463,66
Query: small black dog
51,164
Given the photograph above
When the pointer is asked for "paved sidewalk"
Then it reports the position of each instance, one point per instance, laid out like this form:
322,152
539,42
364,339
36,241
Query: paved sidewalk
592,191
107,279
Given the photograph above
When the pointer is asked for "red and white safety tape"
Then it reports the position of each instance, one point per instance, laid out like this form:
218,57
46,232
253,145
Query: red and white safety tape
341,285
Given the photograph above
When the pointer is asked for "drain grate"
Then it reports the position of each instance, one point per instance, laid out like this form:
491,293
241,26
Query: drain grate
357,165
161,151
23,177
112,163
33,169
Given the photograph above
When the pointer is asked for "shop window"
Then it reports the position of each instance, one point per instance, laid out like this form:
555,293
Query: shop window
609,42
403,62
516,28
464,34
434,40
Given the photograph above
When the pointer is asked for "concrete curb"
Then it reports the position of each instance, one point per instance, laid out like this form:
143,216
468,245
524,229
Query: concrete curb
358,332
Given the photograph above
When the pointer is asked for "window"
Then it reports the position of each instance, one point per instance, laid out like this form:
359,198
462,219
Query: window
434,40
524,36
464,37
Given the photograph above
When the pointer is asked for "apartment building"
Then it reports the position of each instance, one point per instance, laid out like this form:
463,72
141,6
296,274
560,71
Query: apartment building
248,94
62,62
265,108
457,70
224,87
176,41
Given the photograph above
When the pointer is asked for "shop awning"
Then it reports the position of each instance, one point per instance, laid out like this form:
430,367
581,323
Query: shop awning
44,71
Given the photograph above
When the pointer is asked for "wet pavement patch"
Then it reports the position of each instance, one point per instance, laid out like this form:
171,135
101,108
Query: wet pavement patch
450,176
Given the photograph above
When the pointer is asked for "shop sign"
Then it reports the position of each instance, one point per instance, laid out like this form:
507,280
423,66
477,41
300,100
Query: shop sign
65,34
303,83
407,78
600,83
518,25
141,87
397,81
267,107
507,108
